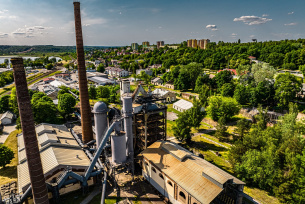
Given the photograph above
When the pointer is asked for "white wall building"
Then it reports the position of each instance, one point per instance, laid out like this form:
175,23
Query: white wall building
117,72
184,178
7,118
182,105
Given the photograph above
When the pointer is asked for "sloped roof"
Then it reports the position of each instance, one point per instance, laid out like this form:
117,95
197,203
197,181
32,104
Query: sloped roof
160,92
58,149
200,178
8,115
183,104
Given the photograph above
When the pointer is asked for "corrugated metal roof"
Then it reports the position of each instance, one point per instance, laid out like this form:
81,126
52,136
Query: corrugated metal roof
188,171
7,114
160,92
58,150
183,104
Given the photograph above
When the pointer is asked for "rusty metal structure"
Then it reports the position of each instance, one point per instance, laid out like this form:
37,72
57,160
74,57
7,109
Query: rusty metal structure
38,184
149,122
87,134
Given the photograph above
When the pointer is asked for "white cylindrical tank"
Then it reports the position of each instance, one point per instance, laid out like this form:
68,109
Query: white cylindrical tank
100,110
127,113
118,148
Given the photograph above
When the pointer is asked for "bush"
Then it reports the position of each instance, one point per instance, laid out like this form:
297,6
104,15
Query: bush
220,106
6,155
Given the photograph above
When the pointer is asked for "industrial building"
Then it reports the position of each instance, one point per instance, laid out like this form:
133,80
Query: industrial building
101,81
58,149
54,159
184,178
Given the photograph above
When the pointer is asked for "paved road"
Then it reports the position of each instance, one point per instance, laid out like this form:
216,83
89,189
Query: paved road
7,130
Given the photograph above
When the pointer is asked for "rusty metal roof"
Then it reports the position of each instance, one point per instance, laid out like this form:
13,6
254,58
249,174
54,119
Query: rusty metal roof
200,178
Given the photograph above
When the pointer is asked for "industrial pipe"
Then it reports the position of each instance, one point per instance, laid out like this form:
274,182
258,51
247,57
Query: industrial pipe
104,188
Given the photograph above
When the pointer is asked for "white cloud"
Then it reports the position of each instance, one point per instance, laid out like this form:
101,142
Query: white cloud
265,15
252,36
252,20
94,21
155,10
3,35
290,13
290,24
19,31
233,34
212,27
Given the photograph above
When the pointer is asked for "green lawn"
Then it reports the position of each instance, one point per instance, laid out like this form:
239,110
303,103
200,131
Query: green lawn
9,173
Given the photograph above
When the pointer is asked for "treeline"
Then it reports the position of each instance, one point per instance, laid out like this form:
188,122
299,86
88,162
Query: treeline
14,49
288,54
107,93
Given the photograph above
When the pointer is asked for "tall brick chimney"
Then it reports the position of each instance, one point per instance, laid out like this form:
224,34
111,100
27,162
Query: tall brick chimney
82,77
39,188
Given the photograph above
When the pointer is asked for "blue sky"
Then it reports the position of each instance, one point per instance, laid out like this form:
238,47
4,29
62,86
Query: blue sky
121,22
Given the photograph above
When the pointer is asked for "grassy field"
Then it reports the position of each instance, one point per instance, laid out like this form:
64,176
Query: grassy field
9,173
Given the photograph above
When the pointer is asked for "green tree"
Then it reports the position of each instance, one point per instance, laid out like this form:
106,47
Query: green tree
195,115
243,127
92,92
49,66
6,155
44,110
100,68
103,92
182,129
241,94
13,102
227,90
66,103
4,103
204,94
222,107
221,129
262,71
286,87
223,77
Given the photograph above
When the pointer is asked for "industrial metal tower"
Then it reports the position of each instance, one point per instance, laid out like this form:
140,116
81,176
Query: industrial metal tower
82,77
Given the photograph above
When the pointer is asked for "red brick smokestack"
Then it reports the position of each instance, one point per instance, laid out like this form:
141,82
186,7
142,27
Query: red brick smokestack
82,77
39,188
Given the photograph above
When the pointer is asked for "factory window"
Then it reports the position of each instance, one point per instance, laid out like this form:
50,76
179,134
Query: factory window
161,176
182,195
170,183
154,170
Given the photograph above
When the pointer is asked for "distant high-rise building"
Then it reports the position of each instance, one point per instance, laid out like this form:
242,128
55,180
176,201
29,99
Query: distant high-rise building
202,44
192,43
160,44
134,46
145,44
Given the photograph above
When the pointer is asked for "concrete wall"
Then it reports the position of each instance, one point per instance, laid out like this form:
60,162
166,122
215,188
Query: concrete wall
165,186
6,121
